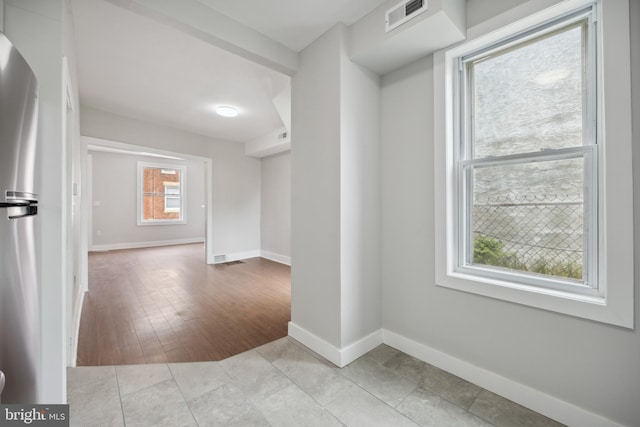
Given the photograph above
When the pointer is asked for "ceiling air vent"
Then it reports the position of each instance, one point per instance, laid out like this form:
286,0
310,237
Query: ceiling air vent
402,12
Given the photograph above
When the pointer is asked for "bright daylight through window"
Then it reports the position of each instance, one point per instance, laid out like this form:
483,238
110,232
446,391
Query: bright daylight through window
161,193
527,158
532,161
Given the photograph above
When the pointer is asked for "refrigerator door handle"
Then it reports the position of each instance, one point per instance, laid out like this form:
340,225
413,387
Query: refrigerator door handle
1,384
21,211
12,204
20,197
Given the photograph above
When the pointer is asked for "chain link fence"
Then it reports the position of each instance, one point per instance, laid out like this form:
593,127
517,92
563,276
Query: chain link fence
541,233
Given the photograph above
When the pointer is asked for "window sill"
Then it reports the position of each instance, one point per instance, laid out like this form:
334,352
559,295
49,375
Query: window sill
595,308
146,223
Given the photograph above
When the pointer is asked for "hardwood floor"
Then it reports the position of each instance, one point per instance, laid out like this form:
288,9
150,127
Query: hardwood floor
159,305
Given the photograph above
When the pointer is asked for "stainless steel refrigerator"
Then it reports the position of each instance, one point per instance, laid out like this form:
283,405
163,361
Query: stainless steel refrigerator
19,302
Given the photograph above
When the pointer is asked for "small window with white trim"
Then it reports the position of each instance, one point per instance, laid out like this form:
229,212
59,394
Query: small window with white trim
527,158
161,194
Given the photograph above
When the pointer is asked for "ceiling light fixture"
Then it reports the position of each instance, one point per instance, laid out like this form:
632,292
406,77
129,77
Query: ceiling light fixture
226,111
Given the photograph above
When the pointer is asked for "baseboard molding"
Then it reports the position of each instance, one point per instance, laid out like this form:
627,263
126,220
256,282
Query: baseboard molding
150,244
339,357
272,256
361,347
76,330
552,407
237,256
536,400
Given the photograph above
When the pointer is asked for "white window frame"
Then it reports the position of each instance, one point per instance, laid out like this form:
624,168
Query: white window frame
170,196
612,300
465,162
140,194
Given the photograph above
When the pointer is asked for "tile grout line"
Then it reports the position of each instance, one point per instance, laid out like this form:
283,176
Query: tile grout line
293,381
417,387
173,378
248,400
474,401
340,372
393,408
115,372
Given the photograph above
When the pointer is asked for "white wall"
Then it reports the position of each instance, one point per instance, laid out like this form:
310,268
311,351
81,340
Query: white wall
359,201
482,10
315,190
36,29
275,218
74,201
114,180
591,365
235,183
335,305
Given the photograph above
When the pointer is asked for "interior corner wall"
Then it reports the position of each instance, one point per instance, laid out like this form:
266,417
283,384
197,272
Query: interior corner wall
359,201
335,201
35,28
235,182
275,218
115,185
315,190
587,364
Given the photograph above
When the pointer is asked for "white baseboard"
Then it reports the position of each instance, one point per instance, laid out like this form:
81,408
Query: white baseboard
76,330
237,256
339,357
150,244
282,259
536,400
361,347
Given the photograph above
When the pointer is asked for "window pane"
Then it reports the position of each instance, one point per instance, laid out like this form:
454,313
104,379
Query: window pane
529,217
172,203
149,180
169,189
161,197
529,97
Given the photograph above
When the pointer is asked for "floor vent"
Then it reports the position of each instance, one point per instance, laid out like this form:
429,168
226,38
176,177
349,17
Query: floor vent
219,258
234,262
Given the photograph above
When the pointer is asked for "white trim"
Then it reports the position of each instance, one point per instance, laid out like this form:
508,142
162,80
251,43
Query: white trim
339,357
524,395
93,144
238,256
108,146
68,260
616,270
149,244
315,343
72,362
531,398
361,347
272,256
141,166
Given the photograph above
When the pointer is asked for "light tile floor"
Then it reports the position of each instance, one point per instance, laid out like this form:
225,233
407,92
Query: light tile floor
285,384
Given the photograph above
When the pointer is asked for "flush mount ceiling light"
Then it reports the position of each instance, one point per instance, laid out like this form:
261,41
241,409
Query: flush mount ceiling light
226,111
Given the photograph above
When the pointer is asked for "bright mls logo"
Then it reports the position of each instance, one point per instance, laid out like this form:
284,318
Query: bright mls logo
34,415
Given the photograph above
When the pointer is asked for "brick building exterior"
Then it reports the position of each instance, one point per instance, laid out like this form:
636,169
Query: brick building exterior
162,197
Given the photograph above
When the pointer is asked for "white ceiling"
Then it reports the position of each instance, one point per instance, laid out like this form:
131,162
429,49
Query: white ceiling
294,23
135,66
